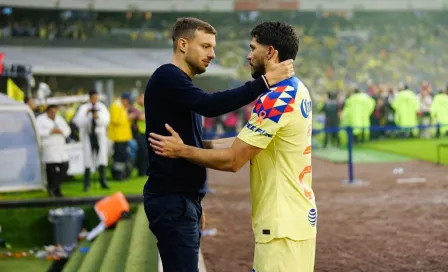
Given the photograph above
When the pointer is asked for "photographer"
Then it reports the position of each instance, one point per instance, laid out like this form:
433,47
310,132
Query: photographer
92,119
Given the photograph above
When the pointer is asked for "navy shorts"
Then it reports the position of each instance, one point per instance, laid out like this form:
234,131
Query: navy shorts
175,222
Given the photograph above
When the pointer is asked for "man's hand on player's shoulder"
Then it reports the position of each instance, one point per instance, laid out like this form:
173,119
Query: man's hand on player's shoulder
278,71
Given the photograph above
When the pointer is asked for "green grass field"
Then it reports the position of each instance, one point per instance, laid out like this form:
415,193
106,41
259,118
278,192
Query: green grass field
360,155
74,188
421,149
28,264
397,150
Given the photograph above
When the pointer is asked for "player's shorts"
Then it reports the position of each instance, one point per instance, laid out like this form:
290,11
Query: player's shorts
285,255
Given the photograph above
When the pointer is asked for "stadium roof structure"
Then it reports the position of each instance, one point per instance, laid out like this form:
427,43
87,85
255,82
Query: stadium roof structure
128,62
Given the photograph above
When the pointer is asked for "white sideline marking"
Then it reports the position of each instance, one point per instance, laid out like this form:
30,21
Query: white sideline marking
201,263
411,180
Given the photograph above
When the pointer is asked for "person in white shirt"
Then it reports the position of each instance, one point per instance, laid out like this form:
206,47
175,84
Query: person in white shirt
54,131
424,112
92,120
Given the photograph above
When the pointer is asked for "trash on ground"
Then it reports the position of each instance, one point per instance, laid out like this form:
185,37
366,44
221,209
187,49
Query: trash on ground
209,232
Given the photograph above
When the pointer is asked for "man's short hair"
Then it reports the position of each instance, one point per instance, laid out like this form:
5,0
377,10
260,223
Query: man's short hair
93,92
51,106
26,99
186,28
279,35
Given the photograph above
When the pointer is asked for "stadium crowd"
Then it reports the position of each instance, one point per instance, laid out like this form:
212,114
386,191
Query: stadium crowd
337,50
343,57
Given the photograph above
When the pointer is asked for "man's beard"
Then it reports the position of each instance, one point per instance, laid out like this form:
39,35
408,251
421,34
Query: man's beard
258,71
196,69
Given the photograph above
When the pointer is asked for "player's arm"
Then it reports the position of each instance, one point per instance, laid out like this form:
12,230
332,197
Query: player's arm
253,138
218,143
228,159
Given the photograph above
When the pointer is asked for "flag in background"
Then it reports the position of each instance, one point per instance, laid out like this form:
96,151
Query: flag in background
14,91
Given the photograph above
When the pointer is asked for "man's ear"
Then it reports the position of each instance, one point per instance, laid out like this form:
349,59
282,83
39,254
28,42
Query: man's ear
270,52
182,44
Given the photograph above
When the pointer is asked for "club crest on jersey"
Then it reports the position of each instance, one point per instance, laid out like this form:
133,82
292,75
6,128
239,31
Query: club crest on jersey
306,107
312,217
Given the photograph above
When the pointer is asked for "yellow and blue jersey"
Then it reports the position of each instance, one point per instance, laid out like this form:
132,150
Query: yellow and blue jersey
283,203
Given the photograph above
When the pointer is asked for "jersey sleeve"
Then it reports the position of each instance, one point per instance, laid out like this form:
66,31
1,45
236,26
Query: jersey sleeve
268,116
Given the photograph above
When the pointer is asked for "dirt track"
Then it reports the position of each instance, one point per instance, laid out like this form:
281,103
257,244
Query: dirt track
385,226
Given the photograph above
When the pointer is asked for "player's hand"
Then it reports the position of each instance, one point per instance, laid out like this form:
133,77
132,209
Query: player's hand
276,72
166,146
203,221
56,131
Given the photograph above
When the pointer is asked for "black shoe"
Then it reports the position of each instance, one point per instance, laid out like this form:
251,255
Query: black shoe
103,182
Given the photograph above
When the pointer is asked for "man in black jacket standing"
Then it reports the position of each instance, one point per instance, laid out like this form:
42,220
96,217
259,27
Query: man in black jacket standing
175,187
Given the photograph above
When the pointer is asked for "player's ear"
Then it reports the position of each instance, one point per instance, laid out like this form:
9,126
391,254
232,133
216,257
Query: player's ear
270,52
182,44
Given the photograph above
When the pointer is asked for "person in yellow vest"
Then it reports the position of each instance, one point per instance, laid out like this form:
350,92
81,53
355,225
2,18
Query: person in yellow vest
356,114
139,135
406,106
120,134
439,112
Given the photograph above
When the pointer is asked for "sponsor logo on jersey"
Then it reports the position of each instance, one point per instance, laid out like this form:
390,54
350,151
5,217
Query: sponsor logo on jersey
312,217
258,130
306,107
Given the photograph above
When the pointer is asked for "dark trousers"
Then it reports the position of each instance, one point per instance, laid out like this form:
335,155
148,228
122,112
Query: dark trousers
175,222
141,162
55,175
332,136
121,152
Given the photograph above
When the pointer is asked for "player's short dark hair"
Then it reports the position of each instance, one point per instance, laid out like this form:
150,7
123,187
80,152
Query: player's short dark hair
186,27
279,35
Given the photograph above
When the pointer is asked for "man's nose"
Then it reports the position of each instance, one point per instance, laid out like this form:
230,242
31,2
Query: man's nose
212,54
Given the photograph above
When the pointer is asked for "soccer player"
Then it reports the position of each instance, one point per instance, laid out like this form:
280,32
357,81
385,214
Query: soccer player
277,142
175,187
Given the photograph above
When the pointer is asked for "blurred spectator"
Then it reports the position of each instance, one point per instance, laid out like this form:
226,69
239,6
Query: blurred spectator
141,161
230,122
29,101
120,133
92,120
54,130
425,99
209,127
378,118
331,111
406,106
